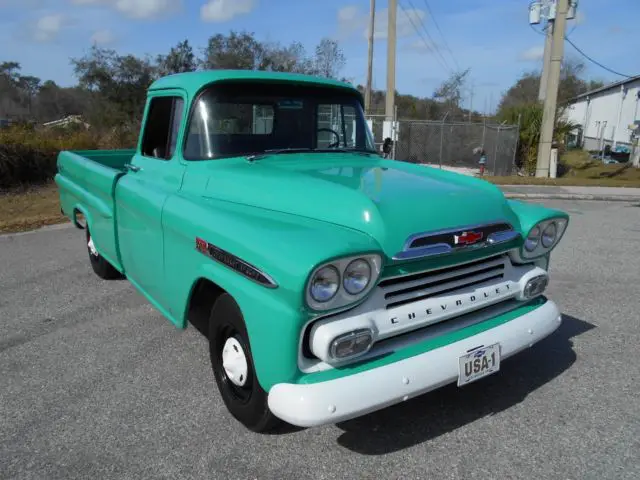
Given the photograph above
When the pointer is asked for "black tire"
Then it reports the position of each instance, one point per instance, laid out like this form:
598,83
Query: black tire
100,266
246,403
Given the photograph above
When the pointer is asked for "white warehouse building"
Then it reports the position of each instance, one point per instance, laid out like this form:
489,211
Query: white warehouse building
607,115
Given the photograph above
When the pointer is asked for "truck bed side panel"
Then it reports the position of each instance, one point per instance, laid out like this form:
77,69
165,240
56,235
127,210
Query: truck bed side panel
115,159
88,187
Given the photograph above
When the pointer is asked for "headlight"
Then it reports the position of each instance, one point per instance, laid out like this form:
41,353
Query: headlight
543,237
357,276
324,284
532,239
342,281
549,235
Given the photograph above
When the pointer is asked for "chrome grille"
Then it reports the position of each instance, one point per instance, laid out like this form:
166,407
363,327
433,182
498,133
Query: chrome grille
419,286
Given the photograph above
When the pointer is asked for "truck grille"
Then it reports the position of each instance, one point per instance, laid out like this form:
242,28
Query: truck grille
419,286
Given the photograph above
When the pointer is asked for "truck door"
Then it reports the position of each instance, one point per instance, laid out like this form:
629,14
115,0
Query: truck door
154,174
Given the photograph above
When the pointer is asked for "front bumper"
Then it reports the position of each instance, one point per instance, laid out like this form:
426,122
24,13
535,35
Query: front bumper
332,401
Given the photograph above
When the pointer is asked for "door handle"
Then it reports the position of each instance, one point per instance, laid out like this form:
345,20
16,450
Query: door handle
133,168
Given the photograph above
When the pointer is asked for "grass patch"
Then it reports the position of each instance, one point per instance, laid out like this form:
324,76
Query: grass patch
30,208
577,168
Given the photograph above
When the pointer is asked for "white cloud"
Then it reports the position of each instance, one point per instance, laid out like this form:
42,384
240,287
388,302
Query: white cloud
138,9
46,28
225,10
533,54
351,19
102,37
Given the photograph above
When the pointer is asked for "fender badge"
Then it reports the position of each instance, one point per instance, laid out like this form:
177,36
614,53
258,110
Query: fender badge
235,263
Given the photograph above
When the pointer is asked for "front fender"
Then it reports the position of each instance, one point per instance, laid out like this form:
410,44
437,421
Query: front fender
286,247
530,213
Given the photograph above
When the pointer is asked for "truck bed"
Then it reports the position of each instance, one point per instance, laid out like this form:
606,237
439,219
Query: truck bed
115,159
87,180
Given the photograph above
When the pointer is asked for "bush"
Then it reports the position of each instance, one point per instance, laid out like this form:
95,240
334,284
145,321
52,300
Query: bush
28,155
530,118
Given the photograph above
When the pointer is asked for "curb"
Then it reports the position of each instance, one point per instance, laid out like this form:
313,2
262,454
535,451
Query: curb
46,228
573,196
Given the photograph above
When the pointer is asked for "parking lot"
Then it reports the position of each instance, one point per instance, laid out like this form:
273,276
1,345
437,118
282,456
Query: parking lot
94,383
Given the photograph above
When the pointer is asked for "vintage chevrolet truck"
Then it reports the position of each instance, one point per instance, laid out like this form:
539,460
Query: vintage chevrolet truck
333,282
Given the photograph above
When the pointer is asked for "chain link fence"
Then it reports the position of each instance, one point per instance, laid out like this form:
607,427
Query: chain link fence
453,145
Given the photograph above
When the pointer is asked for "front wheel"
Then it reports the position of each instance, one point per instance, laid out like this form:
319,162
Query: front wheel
233,367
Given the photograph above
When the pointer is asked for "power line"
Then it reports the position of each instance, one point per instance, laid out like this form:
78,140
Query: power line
596,62
433,47
444,41
585,55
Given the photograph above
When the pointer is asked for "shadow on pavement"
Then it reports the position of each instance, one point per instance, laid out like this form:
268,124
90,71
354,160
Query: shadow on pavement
441,411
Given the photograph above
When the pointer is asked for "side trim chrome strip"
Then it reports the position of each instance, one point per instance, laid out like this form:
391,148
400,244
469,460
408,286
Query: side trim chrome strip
235,263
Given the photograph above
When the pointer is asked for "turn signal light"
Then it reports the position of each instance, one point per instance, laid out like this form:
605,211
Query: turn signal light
351,344
535,286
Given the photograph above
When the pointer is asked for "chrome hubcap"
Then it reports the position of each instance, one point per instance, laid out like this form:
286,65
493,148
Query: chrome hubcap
234,362
92,247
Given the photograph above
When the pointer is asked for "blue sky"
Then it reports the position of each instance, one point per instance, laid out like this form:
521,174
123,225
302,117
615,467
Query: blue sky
491,37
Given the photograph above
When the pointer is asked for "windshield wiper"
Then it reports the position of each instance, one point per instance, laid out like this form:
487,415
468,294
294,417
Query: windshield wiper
345,150
276,151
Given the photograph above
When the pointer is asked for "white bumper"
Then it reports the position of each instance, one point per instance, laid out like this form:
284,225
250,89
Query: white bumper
332,401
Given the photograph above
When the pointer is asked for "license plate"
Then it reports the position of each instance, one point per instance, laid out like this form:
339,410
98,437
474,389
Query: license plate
478,363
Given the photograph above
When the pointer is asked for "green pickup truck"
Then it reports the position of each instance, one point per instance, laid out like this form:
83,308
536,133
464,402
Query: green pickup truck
333,282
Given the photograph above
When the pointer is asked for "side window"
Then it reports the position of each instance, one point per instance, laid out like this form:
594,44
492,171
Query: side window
162,126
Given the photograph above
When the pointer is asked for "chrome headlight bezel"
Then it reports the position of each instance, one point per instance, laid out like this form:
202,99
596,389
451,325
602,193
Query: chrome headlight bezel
343,297
327,271
542,248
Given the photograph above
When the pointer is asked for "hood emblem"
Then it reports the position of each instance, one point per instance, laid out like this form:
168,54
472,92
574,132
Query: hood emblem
442,242
467,238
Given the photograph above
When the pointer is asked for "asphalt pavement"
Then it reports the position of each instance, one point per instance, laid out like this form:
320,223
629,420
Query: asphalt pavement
94,383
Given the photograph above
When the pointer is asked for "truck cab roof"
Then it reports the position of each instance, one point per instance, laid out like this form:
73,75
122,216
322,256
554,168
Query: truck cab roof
193,82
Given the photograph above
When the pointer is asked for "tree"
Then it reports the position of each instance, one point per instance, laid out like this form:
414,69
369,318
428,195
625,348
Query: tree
29,86
450,91
234,51
329,59
525,90
287,59
179,59
118,83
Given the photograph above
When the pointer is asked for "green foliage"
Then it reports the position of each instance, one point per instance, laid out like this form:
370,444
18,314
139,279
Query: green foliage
530,118
28,155
525,90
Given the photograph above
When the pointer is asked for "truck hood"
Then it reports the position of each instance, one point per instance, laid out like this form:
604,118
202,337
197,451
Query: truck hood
388,200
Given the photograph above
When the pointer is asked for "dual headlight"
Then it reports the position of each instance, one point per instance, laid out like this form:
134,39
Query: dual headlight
342,281
543,237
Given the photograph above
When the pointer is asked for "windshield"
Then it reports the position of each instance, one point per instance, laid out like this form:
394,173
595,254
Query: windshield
252,118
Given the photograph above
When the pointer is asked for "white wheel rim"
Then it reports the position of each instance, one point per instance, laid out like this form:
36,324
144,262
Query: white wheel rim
92,247
234,362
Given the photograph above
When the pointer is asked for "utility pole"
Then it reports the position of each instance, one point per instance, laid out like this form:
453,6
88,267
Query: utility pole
548,41
372,21
551,97
391,61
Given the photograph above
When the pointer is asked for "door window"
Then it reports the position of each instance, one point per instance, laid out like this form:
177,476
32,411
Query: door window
162,126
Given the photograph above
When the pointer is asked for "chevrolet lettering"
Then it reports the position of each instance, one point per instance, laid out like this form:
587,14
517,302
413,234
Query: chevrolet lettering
330,281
